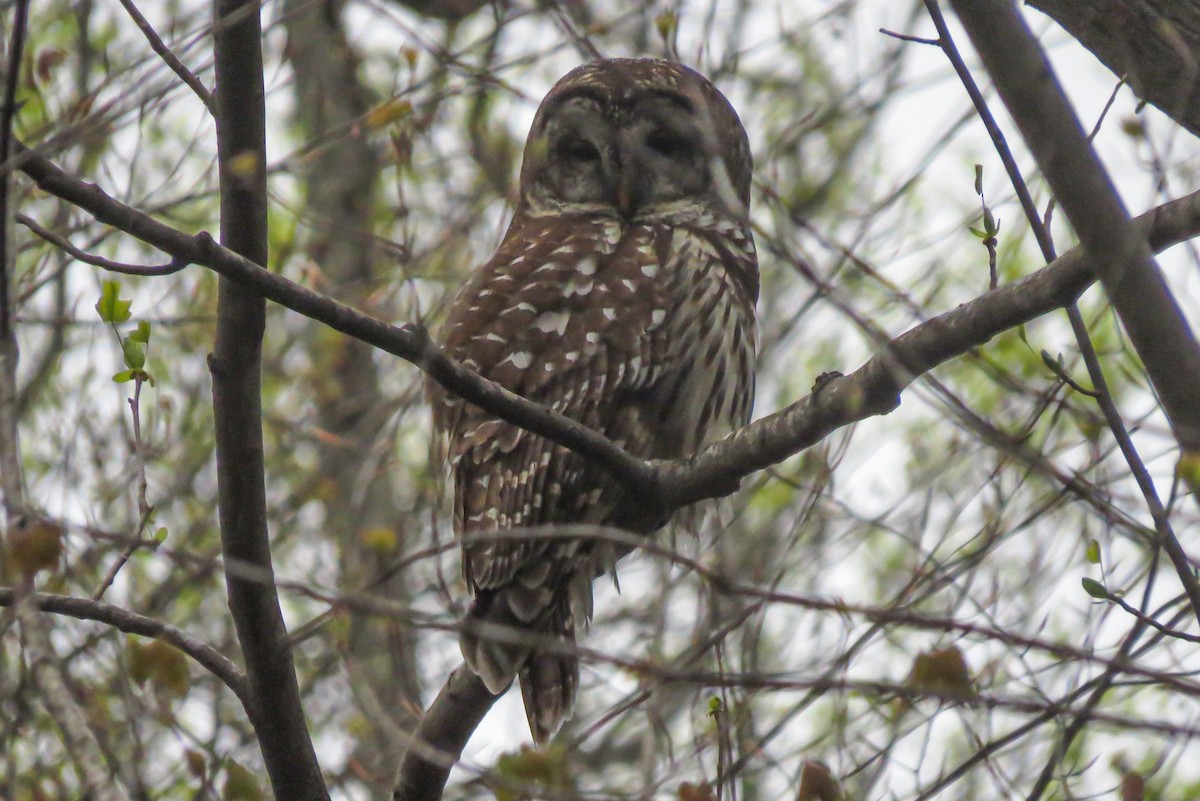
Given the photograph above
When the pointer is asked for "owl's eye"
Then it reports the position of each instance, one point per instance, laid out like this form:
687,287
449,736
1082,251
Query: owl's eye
577,151
666,143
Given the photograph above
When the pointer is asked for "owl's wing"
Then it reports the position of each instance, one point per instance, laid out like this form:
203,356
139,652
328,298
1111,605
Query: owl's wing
567,316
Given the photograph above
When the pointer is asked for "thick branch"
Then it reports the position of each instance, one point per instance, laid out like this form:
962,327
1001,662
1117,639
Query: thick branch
276,712
1153,44
1134,284
441,736
875,387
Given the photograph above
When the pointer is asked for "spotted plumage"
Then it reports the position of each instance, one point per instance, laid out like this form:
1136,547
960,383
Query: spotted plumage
623,297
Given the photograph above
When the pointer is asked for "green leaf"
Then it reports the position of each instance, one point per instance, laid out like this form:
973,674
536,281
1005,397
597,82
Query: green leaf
1095,589
978,233
123,377
979,179
989,222
135,353
1093,552
110,307
160,534
142,334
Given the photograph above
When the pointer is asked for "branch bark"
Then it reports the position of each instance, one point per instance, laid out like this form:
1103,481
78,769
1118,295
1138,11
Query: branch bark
275,711
441,736
1153,44
205,655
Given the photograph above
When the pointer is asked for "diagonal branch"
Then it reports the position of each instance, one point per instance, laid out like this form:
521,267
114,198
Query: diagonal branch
1131,278
876,386
716,470
440,737
205,655
409,342
169,57
1137,467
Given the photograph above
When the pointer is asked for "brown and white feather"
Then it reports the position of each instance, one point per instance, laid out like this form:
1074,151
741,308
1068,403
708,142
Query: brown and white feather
632,316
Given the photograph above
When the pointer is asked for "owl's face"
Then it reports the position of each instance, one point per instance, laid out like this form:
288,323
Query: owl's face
634,136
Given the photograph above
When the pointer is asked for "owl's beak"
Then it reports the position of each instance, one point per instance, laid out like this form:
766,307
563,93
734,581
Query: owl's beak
626,197
631,176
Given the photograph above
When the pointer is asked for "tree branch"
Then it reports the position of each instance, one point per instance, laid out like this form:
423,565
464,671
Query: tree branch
169,58
873,389
409,342
1154,45
124,620
1131,278
276,712
441,736
1091,360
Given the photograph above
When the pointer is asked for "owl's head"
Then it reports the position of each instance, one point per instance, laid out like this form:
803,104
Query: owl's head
635,136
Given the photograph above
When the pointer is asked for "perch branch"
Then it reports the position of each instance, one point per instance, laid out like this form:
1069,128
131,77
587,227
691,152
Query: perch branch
872,389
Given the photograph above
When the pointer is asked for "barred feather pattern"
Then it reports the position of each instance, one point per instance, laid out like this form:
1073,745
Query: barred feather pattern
641,328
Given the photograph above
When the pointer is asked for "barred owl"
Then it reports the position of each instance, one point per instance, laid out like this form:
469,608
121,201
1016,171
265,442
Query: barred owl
622,296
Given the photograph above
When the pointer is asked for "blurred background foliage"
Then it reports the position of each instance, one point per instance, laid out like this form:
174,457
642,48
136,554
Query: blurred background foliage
395,133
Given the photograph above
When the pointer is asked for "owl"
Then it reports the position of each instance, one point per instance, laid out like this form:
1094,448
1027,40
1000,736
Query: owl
622,296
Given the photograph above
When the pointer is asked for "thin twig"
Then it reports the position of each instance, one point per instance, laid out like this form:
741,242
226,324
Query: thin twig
65,245
130,622
169,57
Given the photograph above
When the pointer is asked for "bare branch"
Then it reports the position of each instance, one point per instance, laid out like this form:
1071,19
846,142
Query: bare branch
168,57
235,364
205,655
64,244
441,736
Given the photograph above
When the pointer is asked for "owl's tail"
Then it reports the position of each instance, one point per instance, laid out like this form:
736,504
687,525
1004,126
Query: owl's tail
499,643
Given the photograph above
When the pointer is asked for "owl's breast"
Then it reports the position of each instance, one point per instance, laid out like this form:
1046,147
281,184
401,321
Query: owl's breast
709,389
